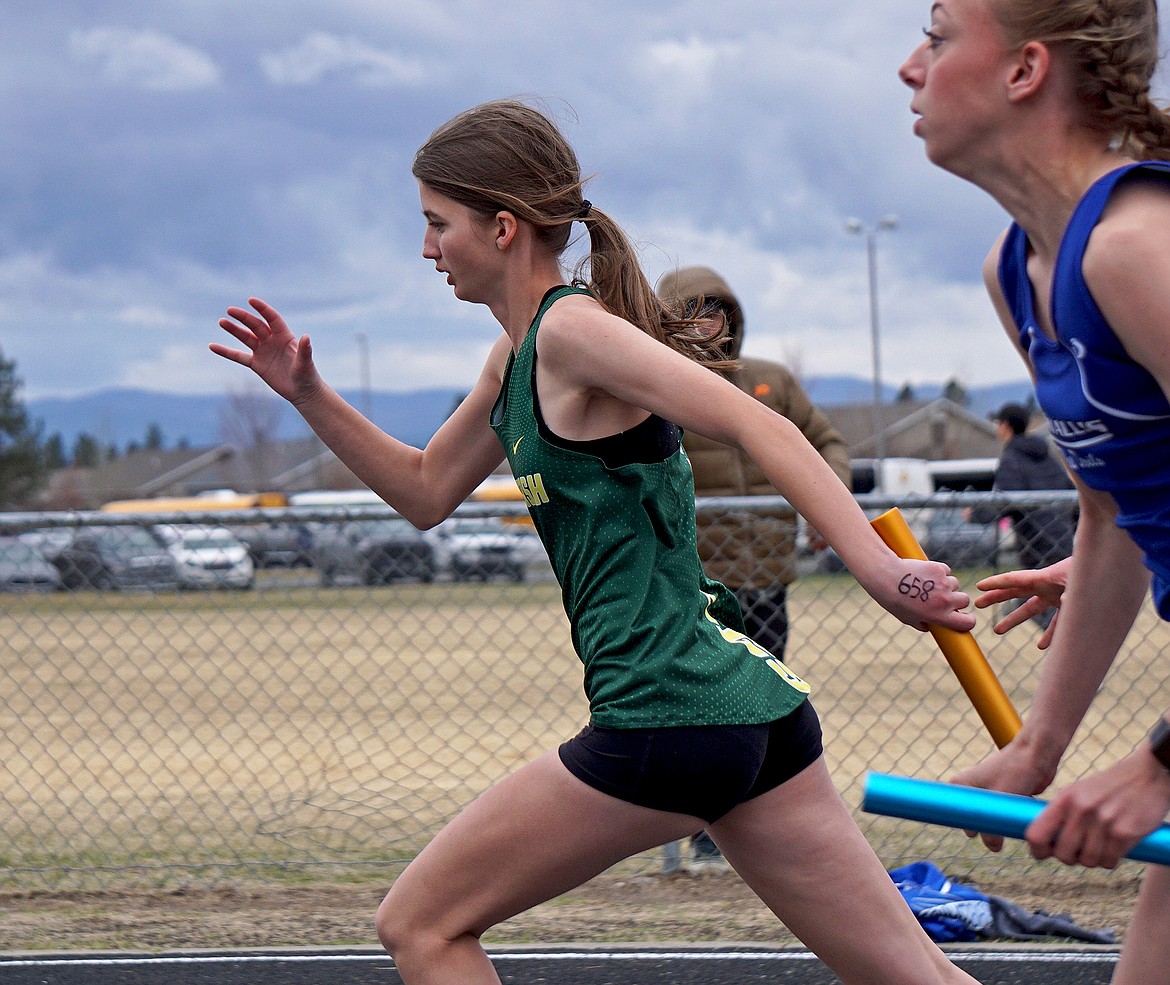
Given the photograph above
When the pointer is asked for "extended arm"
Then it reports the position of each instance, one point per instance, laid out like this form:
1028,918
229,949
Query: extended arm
594,353
1107,582
818,430
1127,267
426,485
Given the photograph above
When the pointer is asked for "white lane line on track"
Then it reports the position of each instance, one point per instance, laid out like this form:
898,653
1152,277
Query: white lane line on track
1013,957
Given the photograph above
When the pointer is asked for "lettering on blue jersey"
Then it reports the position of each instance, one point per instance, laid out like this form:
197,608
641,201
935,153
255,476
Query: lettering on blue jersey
1079,434
1080,463
755,649
532,488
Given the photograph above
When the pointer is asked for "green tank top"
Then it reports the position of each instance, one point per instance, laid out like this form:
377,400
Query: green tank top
661,644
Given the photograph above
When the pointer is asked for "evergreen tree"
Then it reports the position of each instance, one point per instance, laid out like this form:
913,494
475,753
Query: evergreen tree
54,452
22,466
87,452
154,438
955,392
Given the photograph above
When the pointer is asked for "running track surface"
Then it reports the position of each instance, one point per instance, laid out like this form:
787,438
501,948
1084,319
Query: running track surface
530,966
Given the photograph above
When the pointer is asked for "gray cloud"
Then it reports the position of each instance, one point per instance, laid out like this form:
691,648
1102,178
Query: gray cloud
144,59
166,160
320,55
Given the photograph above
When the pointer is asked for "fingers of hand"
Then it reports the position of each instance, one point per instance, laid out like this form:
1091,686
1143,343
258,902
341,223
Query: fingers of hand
235,355
271,316
244,335
246,322
1079,834
1046,639
993,843
1016,617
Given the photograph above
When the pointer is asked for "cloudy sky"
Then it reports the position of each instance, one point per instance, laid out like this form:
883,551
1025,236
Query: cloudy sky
164,160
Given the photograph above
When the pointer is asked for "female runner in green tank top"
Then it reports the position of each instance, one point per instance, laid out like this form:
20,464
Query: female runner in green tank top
691,724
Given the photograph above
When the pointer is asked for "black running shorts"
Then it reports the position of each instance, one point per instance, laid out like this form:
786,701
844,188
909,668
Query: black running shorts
700,770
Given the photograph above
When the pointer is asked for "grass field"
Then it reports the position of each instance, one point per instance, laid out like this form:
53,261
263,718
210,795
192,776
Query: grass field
151,737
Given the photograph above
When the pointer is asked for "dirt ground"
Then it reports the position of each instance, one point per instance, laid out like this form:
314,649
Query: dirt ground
353,724
708,906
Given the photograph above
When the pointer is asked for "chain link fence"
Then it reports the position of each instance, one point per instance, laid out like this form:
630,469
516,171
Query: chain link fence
249,693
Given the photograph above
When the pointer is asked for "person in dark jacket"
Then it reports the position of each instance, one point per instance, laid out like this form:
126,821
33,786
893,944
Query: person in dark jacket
1043,534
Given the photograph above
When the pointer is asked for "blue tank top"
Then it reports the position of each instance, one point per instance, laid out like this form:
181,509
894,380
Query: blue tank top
1108,415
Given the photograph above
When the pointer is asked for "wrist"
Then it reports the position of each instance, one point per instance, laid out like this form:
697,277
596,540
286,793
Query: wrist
1159,742
1043,748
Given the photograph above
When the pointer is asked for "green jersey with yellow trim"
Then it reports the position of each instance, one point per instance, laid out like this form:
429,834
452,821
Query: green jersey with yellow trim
661,644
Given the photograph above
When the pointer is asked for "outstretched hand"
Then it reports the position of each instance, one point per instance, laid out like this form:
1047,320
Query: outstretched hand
1043,588
925,593
272,352
1011,770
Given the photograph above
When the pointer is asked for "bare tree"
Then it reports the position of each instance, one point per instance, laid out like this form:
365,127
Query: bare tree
249,420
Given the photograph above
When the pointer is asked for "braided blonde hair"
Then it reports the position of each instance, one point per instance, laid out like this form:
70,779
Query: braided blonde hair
1112,47
506,156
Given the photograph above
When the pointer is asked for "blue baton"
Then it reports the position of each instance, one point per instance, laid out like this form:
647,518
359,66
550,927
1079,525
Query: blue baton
972,809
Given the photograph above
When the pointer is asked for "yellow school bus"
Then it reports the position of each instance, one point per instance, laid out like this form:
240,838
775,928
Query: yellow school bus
225,500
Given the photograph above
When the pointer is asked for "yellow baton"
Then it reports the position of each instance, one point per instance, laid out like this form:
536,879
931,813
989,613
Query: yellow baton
960,649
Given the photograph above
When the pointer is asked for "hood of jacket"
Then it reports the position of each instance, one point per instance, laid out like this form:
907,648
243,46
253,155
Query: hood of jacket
1031,446
690,283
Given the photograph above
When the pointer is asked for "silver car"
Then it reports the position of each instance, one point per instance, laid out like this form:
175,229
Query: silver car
208,557
482,547
23,568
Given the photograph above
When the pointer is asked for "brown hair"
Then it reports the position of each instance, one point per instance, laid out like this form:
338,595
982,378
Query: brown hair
505,156
1112,47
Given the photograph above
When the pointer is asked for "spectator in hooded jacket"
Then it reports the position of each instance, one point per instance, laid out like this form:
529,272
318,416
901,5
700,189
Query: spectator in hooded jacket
751,552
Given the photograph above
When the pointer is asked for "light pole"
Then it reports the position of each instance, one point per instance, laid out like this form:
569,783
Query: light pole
363,342
888,222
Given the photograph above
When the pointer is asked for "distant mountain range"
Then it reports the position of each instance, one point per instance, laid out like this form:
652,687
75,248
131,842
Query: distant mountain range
121,416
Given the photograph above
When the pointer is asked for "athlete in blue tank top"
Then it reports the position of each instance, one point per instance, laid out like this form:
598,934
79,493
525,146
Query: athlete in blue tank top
1046,105
1107,413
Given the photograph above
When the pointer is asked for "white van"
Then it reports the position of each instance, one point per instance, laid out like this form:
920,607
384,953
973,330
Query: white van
945,532
920,477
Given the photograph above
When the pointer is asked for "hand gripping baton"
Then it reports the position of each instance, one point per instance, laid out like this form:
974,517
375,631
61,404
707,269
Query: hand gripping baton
973,809
960,649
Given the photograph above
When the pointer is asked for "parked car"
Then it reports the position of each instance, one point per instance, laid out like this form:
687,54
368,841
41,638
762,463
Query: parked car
952,537
117,557
48,541
207,557
277,544
480,548
372,552
23,568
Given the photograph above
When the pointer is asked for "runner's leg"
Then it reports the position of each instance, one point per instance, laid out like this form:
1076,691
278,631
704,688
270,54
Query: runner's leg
798,847
534,835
